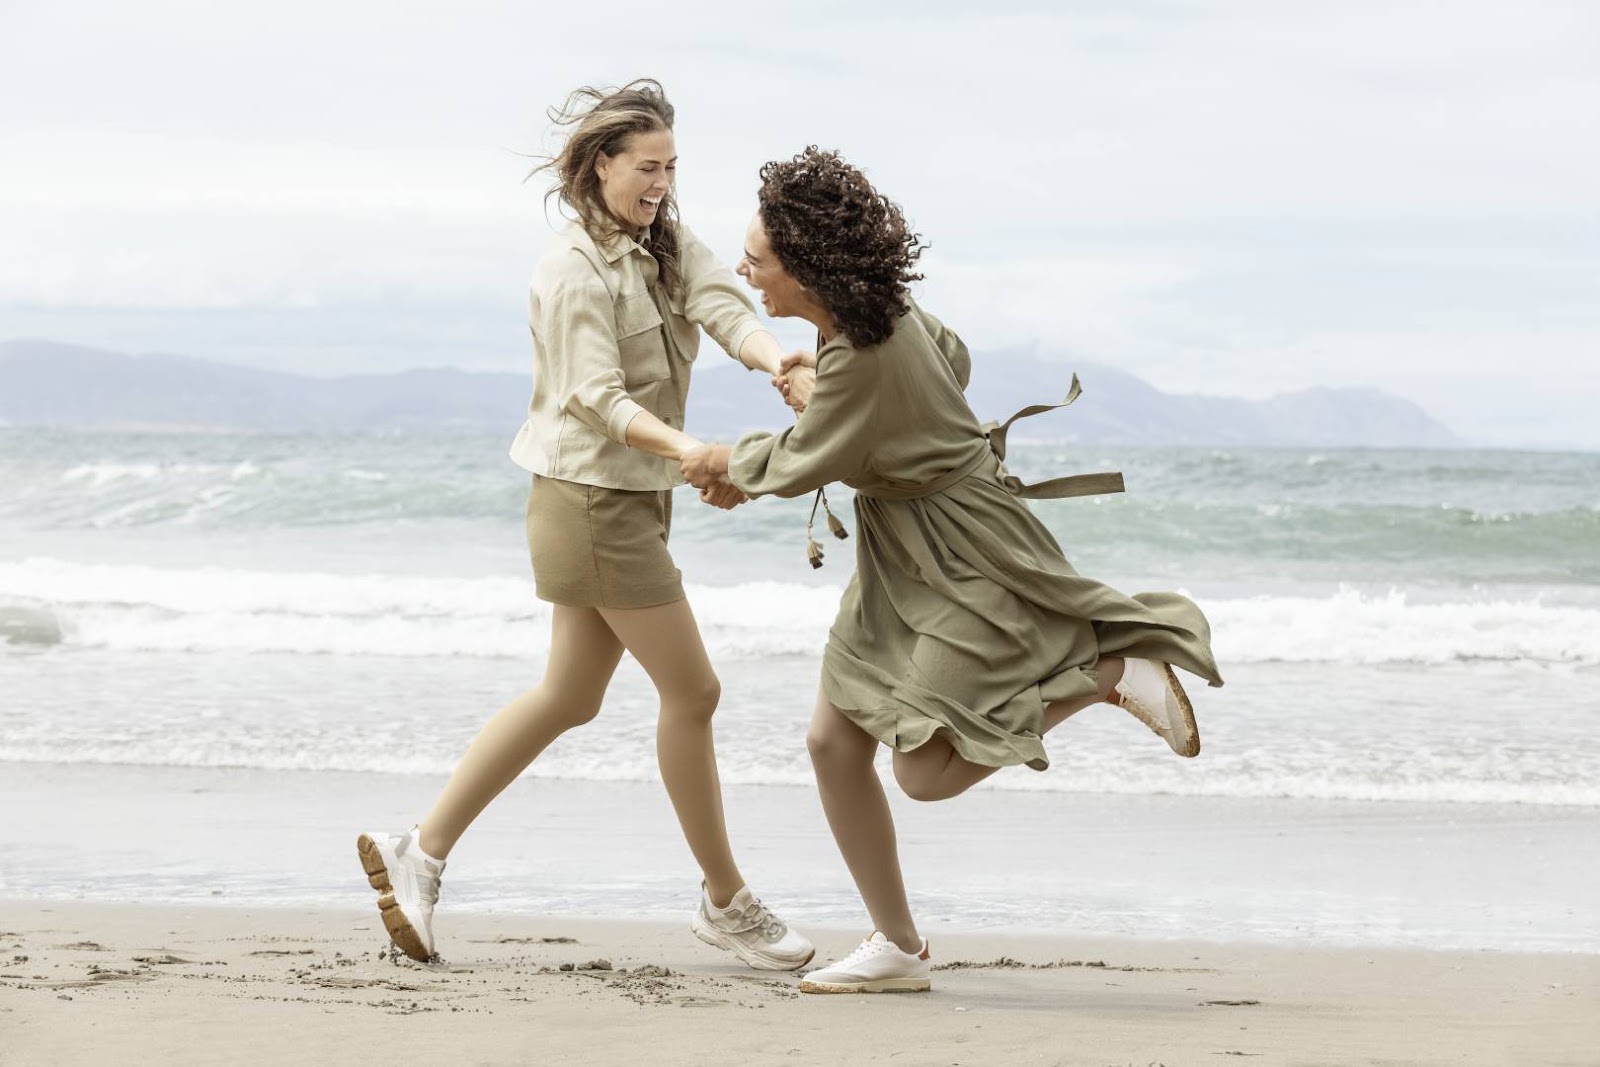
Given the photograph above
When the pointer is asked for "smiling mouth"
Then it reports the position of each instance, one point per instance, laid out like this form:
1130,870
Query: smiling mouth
651,204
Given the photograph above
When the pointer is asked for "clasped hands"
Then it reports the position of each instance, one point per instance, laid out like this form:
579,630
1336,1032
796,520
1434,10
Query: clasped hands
797,374
706,466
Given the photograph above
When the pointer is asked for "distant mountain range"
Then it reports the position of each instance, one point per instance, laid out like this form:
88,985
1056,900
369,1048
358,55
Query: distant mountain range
43,383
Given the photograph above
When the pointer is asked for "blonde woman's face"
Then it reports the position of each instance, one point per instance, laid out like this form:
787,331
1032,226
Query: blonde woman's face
636,180
781,294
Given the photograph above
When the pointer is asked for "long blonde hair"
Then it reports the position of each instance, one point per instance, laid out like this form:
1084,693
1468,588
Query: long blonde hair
604,120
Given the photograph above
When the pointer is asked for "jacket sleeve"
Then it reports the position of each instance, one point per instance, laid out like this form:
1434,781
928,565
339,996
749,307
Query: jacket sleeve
950,346
832,439
575,321
713,297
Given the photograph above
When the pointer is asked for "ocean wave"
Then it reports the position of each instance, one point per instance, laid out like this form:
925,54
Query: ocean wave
1360,628
352,490
1234,515
94,475
29,624
216,609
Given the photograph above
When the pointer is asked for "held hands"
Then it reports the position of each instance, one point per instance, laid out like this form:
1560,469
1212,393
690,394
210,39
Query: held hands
704,465
706,468
796,376
724,495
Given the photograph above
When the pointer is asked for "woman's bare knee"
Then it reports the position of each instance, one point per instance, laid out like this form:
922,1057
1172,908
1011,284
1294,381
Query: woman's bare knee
917,783
580,713
836,744
569,708
932,771
832,749
823,746
694,701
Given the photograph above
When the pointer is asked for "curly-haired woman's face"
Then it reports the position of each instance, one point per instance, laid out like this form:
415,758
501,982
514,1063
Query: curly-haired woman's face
636,180
781,294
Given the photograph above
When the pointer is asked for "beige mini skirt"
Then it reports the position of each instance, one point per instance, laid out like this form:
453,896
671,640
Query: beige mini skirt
594,547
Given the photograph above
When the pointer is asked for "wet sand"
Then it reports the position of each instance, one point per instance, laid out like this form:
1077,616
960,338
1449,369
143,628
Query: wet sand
84,983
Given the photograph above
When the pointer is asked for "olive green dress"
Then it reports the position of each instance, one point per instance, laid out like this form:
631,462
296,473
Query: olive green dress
963,618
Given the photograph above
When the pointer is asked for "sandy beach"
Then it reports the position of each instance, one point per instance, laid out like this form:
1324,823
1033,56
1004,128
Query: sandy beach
91,983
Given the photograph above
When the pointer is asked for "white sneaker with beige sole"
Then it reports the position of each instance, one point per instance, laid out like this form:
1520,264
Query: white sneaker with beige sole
878,965
748,929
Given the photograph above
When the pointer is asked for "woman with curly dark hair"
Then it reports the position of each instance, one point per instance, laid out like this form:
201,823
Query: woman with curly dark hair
964,635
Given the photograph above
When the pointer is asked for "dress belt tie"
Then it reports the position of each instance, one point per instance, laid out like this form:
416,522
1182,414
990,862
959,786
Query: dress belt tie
1096,484
1071,485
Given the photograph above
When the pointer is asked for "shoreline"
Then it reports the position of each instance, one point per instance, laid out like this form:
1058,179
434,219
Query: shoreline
224,983
1222,870
470,917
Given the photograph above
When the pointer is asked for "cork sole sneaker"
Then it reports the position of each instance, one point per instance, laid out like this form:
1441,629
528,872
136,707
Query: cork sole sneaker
401,932
1151,693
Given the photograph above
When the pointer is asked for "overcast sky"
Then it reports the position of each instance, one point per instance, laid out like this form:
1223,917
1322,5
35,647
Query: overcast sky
1239,198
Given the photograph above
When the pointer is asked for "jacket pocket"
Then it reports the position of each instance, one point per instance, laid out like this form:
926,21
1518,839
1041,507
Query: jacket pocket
639,339
685,333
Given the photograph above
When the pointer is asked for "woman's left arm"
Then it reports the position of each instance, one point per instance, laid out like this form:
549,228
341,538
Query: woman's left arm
713,301
950,346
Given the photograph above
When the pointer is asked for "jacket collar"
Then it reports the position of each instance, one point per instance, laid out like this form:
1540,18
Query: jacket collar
612,248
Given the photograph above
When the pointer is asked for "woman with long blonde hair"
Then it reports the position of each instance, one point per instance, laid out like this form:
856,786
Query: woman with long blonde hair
615,307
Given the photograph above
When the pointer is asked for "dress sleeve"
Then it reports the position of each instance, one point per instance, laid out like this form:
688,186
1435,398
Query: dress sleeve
713,298
831,440
575,322
950,346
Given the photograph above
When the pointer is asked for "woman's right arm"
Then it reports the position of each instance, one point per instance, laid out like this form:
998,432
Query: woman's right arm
577,331
649,434
585,363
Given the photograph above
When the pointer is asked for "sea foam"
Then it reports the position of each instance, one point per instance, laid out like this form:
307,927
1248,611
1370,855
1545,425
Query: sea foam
204,609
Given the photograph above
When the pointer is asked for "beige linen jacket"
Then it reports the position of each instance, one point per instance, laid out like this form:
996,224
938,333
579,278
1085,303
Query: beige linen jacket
607,345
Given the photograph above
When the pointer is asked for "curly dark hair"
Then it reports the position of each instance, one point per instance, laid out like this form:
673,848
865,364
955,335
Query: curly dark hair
841,239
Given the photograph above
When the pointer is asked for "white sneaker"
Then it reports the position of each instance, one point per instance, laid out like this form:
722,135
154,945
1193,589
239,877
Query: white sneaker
878,965
407,880
1150,692
750,931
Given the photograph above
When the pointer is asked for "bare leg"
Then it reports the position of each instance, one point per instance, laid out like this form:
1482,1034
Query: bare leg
666,642
858,813
934,771
583,656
